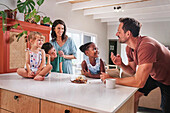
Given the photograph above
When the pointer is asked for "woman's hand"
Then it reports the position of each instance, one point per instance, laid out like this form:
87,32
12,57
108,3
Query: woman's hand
104,76
116,59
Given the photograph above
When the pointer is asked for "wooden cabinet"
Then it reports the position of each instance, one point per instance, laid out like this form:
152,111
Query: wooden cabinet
12,53
4,111
11,102
51,107
18,103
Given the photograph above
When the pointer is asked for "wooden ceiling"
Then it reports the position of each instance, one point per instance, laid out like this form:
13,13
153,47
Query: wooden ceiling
111,10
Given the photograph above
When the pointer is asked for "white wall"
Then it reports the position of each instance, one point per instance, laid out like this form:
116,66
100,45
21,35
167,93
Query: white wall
73,19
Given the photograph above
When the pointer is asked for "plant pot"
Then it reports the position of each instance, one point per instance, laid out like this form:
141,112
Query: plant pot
47,24
30,20
10,13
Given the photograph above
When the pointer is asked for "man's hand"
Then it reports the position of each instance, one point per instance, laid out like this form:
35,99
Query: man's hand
104,76
116,59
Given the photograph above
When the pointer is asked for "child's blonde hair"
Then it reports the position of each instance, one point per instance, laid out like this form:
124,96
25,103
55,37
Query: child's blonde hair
33,35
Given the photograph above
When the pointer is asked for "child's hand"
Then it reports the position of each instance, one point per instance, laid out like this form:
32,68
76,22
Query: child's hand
38,71
47,55
87,73
31,74
61,53
103,76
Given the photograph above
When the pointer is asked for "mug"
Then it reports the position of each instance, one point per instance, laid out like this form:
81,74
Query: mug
110,83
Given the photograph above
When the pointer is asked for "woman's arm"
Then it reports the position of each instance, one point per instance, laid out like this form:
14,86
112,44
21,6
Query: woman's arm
69,56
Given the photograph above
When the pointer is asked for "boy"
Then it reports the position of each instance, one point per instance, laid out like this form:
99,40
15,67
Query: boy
53,57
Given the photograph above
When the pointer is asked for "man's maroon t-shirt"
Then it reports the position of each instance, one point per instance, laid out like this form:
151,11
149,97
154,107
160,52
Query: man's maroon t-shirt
149,50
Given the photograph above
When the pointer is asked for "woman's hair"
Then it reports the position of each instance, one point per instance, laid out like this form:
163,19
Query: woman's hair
33,35
47,47
53,34
132,25
85,47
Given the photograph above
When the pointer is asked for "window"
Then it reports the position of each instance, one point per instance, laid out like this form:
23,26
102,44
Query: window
79,38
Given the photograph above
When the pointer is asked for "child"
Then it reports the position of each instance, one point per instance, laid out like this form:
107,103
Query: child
35,59
53,57
93,65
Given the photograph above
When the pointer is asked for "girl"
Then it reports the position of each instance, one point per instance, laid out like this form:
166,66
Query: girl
35,59
93,65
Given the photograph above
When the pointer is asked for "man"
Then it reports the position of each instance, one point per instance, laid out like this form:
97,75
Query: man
152,58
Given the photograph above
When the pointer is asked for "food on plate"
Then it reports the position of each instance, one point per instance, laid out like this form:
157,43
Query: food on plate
79,80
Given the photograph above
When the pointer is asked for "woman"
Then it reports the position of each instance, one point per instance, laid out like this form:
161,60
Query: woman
64,45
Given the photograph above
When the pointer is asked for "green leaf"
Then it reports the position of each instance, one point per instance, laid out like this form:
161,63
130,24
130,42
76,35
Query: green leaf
37,18
46,20
15,26
3,15
30,15
25,32
19,1
23,7
19,36
27,16
40,2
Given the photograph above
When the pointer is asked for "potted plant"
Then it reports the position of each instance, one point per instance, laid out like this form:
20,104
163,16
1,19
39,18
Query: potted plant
26,7
7,13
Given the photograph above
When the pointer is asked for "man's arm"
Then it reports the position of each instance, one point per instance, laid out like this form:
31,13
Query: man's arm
130,68
139,79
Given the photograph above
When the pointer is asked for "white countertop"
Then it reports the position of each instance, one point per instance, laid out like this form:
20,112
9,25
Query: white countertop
58,88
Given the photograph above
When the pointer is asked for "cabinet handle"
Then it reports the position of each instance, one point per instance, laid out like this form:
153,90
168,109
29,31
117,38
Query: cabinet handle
16,97
67,111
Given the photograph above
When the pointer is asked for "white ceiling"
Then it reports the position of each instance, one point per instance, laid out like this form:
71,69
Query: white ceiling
142,10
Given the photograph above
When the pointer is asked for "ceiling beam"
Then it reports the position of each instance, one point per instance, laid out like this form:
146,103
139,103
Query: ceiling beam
159,15
143,20
102,3
77,1
70,1
143,5
136,11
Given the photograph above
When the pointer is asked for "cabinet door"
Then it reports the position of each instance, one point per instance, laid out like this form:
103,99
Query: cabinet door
19,103
4,111
15,51
51,107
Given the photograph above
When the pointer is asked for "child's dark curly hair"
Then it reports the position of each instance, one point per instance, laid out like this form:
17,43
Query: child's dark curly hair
85,47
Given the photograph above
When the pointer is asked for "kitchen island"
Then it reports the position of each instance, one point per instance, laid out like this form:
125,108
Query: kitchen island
57,93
